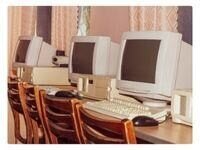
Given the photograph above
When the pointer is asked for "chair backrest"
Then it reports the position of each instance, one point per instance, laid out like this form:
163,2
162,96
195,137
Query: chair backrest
30,104
102,131
13,97
17,110
39,104
61,118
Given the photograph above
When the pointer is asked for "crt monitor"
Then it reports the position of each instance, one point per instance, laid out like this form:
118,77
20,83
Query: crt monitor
33,51
95,55
153,64
27,51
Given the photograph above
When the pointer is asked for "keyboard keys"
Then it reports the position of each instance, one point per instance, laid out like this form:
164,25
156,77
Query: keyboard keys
123,109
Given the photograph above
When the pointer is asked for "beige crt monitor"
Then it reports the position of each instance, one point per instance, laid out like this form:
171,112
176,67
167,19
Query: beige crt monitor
152,64
46,55
27,51
94,55
45,75
33,51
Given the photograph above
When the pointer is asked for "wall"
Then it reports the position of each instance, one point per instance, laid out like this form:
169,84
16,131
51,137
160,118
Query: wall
109,21
114,20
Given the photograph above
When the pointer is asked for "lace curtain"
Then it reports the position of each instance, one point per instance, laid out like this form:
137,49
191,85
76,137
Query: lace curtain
153,18
64,26
21,21
83,20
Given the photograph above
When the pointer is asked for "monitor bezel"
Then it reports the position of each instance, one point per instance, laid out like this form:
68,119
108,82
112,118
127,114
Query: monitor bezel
29,60
156,90
100,41
17,64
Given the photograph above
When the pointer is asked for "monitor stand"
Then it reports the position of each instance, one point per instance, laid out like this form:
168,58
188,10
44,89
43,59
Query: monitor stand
152,102
156,104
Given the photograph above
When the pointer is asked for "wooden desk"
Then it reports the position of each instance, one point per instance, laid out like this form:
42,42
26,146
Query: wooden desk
166,133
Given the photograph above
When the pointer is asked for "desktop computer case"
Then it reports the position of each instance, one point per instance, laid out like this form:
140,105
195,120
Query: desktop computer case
100,87
45,75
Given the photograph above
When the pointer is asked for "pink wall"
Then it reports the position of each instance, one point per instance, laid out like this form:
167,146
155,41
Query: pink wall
109,21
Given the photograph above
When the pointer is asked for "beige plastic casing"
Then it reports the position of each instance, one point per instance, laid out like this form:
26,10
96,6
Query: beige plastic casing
99,87
45,75
181,107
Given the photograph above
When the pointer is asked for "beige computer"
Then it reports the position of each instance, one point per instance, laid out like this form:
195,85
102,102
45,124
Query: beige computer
33,60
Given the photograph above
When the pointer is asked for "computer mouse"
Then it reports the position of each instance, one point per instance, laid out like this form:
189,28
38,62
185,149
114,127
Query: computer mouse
143,121
67,94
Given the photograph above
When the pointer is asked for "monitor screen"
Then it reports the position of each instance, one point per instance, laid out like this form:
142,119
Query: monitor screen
82,57
139,60
22,51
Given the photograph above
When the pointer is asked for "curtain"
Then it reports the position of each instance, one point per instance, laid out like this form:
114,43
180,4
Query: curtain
83,20
21,21
153,18
64,26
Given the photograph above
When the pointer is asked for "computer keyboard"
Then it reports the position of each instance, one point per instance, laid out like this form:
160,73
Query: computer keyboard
125,109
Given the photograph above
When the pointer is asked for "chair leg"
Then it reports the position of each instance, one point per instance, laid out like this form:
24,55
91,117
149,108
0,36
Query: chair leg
15,140
16,126
35,132
47,140
54,139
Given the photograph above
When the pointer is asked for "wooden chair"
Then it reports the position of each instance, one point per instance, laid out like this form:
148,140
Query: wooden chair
61,119
95,130
38,98
17,110
31,108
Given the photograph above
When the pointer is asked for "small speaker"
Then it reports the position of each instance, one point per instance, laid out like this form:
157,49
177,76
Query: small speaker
181,107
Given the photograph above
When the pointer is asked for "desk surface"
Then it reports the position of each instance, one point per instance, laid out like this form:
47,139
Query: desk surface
167,132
